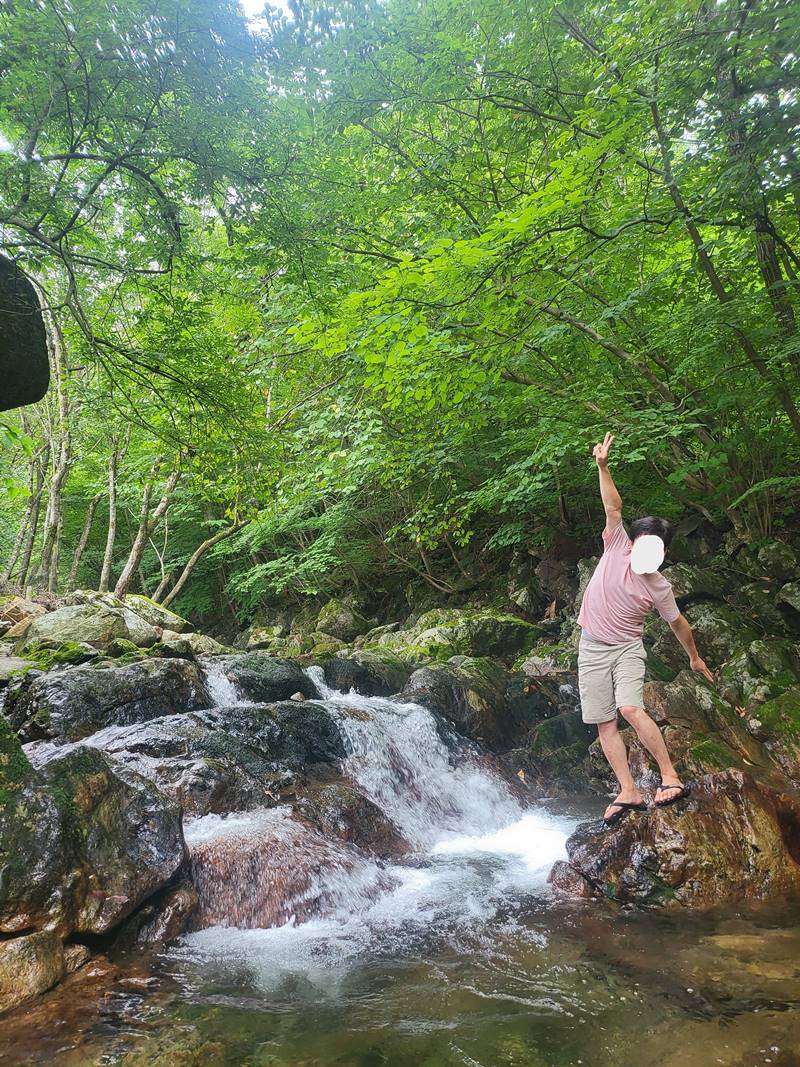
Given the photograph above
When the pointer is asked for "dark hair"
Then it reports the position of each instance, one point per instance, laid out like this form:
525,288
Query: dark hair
650,525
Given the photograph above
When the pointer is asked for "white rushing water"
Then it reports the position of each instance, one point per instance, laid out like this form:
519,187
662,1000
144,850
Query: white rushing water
477,848
223,690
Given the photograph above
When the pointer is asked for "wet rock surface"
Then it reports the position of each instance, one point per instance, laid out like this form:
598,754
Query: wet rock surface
72,703
731,839
83,843
262,678
222,759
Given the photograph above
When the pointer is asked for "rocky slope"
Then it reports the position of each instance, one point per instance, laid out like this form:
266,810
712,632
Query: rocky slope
119,720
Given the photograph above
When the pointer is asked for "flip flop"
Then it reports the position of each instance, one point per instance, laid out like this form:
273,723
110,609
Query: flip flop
624,809
685,790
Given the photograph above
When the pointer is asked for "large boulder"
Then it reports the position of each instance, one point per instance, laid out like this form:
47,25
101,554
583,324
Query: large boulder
83,841
264,678
446,632
778,560
692,582
222,759
156,615
762,671
730,841
720,632
790,594
72,703
472,694
374,673
342,620
94,624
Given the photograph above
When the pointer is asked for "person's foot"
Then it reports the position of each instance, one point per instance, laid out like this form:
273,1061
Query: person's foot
632,796
668,792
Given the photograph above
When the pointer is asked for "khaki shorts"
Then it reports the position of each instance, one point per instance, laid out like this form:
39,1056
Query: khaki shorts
610,677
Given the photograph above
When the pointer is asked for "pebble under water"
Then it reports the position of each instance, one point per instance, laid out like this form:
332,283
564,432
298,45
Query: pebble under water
311,953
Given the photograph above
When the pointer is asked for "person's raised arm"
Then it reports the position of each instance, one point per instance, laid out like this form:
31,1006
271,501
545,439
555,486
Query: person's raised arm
612,501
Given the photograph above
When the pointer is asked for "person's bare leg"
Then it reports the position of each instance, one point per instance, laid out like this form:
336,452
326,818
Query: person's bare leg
617,755
650,736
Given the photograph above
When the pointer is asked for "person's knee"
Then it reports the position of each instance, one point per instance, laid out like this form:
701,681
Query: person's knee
635,716
605,729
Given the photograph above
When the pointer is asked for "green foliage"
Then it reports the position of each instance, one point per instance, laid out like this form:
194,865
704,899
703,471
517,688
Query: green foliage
378,275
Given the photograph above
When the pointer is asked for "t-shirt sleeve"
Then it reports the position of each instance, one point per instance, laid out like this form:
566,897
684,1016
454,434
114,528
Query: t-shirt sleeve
663,598
616,540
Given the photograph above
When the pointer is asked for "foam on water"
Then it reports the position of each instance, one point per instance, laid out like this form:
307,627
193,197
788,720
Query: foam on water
223,690
478,850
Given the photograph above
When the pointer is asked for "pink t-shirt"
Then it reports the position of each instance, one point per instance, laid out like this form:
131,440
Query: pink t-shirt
617,601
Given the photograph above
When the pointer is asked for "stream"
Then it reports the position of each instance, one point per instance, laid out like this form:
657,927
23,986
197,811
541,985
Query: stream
313,953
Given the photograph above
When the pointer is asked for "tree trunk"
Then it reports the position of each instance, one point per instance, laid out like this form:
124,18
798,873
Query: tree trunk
61,452
87,529
147,523
35,481
115,459
33,525
196,555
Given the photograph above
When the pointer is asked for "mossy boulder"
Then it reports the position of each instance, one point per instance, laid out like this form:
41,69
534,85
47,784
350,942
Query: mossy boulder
760,672
264,678
472,697
378,673
447,632
94,624
778,560
187,645
71,703
83,842
557,752
156,615
691,582
790,595
732,840
720,632
341,620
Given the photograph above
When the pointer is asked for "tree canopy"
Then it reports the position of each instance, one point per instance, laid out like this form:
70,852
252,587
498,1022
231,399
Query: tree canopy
352,290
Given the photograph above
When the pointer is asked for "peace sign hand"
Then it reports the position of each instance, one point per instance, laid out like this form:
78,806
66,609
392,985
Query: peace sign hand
601,450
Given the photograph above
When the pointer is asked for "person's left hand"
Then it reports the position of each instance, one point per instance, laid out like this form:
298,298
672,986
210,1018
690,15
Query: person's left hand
699,665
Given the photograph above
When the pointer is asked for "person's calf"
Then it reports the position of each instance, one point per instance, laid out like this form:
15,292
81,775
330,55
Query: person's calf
650,736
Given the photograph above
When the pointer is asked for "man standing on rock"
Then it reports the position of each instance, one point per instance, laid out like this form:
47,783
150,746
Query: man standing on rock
625,587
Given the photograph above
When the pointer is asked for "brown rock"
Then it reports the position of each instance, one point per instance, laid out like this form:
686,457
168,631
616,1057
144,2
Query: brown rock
567,882
731,840
338,809
29,965
75,956
18,608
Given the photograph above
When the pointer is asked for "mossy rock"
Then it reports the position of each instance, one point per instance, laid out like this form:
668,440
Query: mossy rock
781,717
341,620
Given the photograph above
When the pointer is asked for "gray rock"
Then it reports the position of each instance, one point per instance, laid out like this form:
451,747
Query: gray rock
95,624
790,594
778,560
692,582
341,620
379,674
74,702
84,842
264,678
221,759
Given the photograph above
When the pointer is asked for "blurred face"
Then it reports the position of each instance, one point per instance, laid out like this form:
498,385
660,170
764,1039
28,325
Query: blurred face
647,554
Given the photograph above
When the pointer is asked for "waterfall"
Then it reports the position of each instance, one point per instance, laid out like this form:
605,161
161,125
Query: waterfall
222,689
430,787
273,876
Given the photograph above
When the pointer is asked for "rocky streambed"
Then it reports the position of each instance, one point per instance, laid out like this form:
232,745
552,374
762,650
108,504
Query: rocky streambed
185,826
